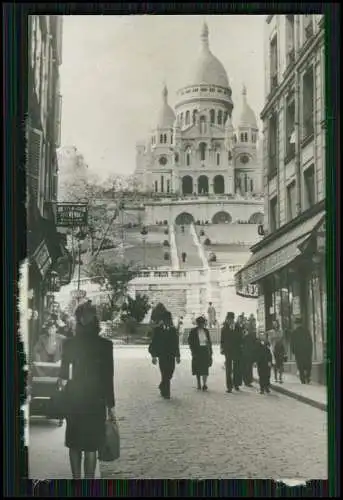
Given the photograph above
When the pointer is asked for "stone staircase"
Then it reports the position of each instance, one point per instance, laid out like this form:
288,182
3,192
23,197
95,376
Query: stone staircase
185,243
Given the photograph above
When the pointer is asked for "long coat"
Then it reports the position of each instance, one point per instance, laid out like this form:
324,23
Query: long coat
201,356
87,364
164,343
231,341
301,343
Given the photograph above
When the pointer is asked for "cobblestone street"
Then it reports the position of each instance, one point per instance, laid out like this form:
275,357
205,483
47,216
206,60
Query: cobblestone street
202,435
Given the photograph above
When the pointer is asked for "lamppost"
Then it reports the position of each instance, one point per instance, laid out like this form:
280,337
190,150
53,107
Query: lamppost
144,234
81,236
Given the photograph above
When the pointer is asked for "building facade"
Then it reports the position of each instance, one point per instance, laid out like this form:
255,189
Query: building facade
46,247
288,265
194,150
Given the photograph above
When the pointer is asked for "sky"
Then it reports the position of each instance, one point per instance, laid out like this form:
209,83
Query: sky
114,68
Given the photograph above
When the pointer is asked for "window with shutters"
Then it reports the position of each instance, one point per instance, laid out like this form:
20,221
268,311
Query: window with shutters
273,63
58,115
290,128
272,145
310,189
290,38
308,26
34,155
291,201
308,103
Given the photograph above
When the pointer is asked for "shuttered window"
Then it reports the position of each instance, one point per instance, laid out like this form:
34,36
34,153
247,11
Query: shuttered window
58,115
34,155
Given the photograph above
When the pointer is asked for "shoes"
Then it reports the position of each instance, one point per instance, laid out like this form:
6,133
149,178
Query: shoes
280,381
204,388
237,388
229,391
261,391
249,385
268,390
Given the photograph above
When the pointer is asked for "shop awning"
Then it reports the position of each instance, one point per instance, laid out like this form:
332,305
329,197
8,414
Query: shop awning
278,253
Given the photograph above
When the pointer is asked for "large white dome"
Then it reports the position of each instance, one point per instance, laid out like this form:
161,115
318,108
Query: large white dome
208,69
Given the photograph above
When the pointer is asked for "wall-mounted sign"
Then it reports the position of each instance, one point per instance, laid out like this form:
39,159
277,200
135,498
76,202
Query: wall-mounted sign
42,258
248,291
71,214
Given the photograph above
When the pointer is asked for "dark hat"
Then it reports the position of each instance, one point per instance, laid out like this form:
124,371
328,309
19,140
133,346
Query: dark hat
200,320
85,309
230,315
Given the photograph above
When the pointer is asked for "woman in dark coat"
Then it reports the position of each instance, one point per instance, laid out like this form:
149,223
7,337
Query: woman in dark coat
200,344
87,366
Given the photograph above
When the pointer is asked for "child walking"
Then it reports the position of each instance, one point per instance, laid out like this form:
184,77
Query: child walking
264,364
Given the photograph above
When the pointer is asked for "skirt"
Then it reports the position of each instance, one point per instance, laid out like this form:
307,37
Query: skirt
86,430
201,361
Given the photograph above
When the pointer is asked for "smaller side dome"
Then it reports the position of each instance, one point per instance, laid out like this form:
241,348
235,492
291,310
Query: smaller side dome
248,117
166,116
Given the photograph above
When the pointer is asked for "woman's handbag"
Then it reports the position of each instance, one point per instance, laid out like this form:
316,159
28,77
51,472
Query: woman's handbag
110,450
59,402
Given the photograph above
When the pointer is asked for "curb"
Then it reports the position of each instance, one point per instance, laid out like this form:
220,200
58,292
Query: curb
298,397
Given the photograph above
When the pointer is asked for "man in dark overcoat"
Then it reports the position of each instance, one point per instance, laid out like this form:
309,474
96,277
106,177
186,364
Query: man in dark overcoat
301,345
231,346
164,346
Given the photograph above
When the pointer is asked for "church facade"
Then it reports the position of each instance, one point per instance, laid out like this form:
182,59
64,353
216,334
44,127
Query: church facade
194,150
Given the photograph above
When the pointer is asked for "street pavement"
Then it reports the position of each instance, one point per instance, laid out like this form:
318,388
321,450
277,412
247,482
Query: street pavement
196,435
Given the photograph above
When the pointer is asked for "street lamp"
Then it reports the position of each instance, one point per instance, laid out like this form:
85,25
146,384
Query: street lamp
81,236
144,234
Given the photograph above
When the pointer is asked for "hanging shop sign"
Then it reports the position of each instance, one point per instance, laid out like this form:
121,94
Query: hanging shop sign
42,258
248,291
71,214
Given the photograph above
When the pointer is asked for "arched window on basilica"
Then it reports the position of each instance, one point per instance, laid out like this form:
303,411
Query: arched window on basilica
229,155
220,117
194,117
165,138
161,138
242,137
171,138
181,119
212,116
251,185
156,186
246,137
218,158
188,118
226,114
188,157
202,124
202,148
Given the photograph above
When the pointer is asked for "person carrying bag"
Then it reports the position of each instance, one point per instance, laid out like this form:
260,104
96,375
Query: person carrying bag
110,450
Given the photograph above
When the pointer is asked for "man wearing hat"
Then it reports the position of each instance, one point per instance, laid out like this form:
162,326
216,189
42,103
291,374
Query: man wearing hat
231,346
301,345
164,346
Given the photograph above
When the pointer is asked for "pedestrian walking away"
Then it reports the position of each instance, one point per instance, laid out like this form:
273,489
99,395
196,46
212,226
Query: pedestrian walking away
248,353
231,348
275,337
211,314
264,364
200,344
164,346
87,376
302,345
